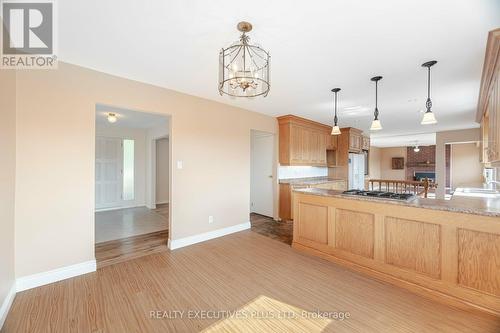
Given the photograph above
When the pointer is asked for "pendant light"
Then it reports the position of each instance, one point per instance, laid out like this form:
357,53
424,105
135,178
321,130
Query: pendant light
429,117
416,149
335,129
376,125
244,67
112,117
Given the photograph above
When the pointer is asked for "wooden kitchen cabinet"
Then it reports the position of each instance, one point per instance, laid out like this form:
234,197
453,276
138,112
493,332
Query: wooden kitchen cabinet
302,141
355,142
331,141
488,114
365,143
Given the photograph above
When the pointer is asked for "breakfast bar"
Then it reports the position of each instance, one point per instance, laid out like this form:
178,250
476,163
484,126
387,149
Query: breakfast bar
447,250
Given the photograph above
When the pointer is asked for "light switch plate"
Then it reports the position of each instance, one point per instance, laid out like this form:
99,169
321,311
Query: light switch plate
179,164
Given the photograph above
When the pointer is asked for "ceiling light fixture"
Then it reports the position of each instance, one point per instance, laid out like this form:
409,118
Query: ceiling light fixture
112,117
243,67
335,129
416,149
429,117
376,125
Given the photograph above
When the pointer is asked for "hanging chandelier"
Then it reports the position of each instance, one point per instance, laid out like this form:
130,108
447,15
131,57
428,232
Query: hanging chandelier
335,128
244,67
429,117
376,125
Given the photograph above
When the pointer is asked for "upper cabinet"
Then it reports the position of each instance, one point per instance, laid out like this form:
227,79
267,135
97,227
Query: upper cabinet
303,142
356,142
365,145
488,112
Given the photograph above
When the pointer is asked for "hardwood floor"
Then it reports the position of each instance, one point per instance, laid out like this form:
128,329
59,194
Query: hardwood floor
120,250
255,275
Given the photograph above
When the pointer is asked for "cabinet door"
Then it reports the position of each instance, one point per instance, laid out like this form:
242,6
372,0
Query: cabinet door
322,148
493,131
285,202
331,141
365,143
314,147
496,126
299,145
354,142
295,144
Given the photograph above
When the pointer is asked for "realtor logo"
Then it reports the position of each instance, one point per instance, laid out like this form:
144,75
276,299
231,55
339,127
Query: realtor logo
28,34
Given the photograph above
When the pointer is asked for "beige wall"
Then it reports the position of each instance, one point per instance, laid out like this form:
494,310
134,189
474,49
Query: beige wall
374,163
465,165
55,158
449,137
386,155
7,180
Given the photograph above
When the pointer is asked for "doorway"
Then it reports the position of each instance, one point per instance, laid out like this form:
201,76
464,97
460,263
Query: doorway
261,173
127,222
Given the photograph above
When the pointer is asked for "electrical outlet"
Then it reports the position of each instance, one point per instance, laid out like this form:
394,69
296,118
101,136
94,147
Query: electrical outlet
210,219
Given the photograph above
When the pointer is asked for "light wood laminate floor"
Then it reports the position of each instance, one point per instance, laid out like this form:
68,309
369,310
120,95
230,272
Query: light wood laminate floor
244,272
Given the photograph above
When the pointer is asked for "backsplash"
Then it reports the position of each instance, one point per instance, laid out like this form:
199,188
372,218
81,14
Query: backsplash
287,172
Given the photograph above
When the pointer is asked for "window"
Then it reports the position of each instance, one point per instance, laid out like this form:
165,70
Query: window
128,169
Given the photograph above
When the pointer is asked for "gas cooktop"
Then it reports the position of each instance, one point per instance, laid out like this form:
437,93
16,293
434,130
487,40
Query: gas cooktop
382,195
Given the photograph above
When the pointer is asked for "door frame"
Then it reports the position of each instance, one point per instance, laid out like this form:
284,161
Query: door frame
274,172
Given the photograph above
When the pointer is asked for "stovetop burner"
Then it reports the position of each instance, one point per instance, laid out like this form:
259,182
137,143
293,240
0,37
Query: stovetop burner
382,195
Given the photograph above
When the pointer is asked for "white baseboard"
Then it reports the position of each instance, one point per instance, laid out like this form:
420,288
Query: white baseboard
7,303
119,207
162,202
182,242
40,279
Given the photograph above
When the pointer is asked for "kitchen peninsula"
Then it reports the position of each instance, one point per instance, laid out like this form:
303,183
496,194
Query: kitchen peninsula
445,250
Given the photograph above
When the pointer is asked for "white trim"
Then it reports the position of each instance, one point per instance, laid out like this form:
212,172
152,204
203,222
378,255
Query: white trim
178,243
119,207
7,303
162,202
40,279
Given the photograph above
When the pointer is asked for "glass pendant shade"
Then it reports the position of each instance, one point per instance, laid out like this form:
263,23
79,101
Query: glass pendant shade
244,67
376,125
429,118
336,130
112,117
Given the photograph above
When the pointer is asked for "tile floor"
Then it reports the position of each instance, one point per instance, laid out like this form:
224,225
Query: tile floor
128,222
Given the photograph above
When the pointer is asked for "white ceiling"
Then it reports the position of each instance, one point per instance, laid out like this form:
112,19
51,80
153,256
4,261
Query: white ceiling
314,46
128,118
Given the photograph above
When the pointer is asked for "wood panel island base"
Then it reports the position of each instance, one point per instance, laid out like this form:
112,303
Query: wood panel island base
441,253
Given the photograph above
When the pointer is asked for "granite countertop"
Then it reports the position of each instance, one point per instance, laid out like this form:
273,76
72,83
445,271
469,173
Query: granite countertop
309,180
476,206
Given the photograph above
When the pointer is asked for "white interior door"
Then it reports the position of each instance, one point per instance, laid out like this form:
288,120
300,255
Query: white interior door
108,172
261,174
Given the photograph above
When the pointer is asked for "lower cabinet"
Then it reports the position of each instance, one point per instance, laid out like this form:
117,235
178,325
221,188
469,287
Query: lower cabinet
446,255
